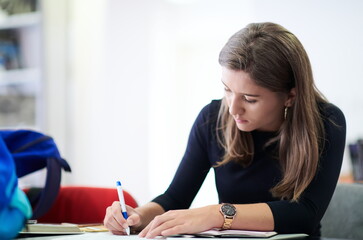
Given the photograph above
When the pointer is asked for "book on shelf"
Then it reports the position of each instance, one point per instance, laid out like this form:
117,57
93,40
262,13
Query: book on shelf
9,50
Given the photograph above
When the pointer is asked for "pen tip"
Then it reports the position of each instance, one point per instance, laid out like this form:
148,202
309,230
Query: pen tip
118,183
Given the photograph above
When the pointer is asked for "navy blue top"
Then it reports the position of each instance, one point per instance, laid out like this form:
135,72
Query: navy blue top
252,184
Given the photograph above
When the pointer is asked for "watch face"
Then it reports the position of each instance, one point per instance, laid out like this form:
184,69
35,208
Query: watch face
228,209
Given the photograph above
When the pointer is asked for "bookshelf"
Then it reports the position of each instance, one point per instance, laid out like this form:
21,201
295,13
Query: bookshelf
21,69
20,20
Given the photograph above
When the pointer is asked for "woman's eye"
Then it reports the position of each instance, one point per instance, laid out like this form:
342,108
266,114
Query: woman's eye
249,100
227,90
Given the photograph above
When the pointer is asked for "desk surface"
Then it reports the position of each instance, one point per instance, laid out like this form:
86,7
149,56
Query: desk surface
107,235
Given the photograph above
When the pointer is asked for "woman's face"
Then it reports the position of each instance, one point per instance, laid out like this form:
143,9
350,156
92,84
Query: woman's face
253,107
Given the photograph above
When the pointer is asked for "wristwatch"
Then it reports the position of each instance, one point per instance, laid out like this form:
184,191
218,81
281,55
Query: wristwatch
229,212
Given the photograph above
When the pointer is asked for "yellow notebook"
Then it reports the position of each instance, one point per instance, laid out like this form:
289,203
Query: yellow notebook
93,228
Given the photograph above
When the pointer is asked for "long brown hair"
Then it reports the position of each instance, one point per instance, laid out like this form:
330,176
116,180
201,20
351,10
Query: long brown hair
275,59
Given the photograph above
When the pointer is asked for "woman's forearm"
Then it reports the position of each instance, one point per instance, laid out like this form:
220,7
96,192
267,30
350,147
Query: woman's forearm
254,217
249,217
147,213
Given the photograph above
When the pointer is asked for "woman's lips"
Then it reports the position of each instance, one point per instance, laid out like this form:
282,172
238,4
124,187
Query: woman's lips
241,121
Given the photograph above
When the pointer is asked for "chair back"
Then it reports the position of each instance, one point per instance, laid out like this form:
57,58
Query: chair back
344,216
83,205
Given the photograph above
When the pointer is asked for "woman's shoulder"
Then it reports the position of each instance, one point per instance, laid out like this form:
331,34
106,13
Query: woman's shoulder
332,112
211,108
214,105
209,113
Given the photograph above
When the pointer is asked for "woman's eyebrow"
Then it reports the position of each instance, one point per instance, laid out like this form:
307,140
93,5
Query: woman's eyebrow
245,94
224,84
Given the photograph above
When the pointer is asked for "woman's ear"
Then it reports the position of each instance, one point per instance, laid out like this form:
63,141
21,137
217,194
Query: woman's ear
290,97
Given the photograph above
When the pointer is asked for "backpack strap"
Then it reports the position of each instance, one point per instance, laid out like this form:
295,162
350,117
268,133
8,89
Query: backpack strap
49,193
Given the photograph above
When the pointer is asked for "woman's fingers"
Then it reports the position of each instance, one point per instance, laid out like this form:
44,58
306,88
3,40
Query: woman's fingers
179,222
145,230
118,232
114,221
169,227
175,229
159,224
134,219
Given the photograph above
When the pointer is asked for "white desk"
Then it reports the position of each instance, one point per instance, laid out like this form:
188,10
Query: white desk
107,235
88,236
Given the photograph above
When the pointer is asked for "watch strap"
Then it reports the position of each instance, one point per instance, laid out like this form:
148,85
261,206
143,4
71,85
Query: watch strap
227,224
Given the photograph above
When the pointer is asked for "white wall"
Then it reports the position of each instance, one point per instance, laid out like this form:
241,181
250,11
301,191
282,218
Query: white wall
185,77
109,87
140,71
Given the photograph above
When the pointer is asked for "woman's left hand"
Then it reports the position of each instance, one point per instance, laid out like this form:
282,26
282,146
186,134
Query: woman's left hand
183,222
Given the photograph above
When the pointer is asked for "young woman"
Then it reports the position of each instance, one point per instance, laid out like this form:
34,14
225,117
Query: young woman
275,143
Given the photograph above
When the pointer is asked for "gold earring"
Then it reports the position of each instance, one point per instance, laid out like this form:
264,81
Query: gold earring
285,114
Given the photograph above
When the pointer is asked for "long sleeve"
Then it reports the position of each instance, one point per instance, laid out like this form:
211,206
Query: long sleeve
305,215
193,168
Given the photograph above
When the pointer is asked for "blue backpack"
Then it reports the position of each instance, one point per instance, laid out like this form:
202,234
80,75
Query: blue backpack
23,152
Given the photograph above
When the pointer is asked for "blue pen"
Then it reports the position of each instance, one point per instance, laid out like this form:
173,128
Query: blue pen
122,203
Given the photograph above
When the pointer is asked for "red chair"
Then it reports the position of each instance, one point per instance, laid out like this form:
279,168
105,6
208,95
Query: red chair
83,205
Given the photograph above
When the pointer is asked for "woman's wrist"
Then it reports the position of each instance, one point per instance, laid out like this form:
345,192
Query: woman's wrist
217,218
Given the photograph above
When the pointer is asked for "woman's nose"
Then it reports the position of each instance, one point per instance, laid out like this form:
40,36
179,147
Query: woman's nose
236,106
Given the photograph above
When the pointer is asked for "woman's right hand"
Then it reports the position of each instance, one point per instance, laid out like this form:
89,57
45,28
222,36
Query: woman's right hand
116,223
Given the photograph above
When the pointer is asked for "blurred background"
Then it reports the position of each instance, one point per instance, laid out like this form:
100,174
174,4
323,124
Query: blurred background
119,83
